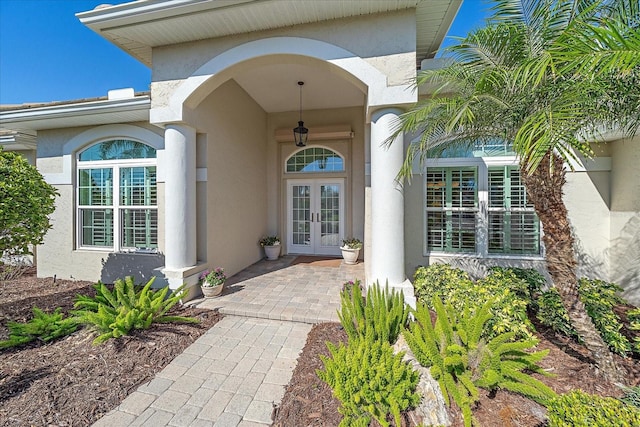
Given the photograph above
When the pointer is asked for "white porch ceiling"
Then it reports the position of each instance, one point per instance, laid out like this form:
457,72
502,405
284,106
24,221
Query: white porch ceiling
275,88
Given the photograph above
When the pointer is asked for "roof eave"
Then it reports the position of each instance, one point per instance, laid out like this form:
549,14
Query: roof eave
59,116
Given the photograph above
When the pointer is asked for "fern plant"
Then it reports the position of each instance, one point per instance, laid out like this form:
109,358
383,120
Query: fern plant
115,313
380,316
461,360
369,380
43,326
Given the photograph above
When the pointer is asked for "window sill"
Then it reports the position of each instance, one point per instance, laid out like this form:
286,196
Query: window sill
479,256
140,251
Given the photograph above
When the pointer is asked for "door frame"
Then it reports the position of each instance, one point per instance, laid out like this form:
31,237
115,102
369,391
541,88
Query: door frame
315,248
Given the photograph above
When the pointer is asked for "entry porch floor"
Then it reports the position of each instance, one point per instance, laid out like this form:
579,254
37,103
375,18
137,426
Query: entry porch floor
300,289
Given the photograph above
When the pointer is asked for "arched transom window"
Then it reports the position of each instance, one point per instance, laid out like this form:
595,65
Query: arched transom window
117,196
315,159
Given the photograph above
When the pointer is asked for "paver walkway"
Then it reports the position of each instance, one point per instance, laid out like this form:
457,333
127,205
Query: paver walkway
235,374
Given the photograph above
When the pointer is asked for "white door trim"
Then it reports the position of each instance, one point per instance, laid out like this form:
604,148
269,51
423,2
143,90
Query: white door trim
315,245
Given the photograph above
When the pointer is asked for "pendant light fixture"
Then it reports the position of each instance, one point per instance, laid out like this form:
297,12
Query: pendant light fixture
300,133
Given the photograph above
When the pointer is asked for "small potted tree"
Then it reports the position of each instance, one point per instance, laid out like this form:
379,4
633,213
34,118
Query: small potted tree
271,245
212,282
350,250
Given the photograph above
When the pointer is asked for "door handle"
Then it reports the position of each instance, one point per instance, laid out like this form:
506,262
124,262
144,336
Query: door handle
311,216
317,217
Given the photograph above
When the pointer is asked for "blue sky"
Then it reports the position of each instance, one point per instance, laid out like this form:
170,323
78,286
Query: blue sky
46,54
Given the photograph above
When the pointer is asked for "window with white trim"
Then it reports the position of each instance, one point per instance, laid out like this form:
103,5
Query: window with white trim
117,197
479,206
452,207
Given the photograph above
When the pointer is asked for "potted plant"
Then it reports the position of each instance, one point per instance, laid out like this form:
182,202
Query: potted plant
350,250
212,282
271,245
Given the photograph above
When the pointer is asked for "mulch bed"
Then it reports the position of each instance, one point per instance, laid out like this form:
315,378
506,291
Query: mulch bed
70,382
309,402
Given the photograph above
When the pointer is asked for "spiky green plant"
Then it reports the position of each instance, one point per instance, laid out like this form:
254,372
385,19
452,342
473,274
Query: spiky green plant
370,381
381,316
461,360
115,313
43,326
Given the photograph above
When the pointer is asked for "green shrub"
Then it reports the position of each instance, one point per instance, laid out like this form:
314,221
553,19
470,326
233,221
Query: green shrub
552,313
634,325
438,279
631,395
114,314
579,409
461,360
26,202
599,298
369,381
381,316
509,310
534,280
43,326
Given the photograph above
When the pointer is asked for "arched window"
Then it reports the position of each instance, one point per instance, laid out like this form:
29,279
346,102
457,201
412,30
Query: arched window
117,149
117,196
315,159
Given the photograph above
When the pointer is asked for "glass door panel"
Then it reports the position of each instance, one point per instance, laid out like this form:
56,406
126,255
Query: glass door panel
330,215
315,216
301,212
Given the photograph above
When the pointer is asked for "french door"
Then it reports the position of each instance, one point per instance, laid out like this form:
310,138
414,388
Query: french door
315,216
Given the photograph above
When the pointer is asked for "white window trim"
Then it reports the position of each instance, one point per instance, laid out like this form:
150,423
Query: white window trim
115,165
482,241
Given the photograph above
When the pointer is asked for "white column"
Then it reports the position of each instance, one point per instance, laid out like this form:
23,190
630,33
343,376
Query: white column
387,201
180,197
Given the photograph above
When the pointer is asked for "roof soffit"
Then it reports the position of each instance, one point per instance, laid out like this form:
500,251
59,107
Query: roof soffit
139,26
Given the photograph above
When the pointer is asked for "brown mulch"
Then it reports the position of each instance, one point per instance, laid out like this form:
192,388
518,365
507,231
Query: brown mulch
70,382
309,402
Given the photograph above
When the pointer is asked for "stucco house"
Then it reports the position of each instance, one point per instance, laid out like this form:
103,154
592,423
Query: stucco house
193,173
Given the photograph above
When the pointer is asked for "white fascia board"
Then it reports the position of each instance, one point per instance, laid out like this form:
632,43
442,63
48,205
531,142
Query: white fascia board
141,11
71,110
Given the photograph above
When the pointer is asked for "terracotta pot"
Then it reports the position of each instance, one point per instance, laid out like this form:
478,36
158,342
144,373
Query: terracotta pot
272,252
349,255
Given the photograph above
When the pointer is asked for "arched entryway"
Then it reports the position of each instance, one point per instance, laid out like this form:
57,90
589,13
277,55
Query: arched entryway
235,105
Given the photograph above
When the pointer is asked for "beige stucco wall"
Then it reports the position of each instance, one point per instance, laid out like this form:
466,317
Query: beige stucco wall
58,255
624,254
236,189
352,149
387,42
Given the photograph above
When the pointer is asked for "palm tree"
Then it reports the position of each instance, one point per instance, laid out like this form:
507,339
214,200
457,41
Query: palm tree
546,75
